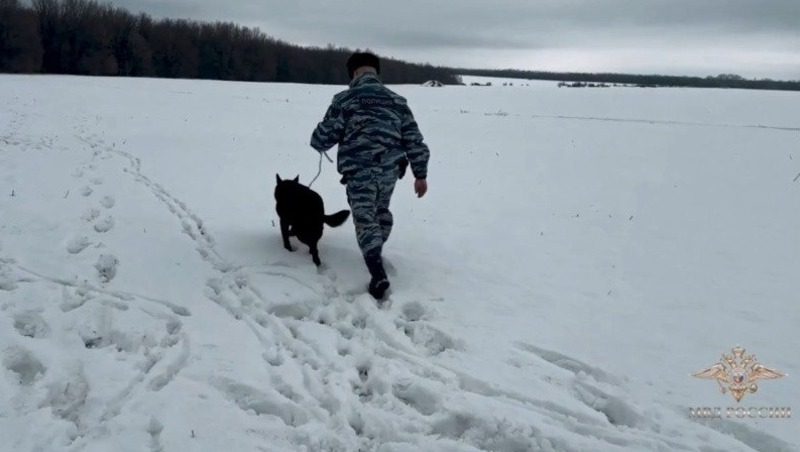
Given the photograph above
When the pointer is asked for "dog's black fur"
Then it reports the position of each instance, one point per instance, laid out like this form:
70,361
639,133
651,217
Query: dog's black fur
302,214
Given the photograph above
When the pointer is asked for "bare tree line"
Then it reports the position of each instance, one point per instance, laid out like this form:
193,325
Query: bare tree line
89,38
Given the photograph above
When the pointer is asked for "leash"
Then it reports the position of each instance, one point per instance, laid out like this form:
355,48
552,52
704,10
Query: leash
319,170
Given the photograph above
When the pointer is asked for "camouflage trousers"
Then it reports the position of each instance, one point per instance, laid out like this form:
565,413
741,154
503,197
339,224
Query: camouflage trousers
368,192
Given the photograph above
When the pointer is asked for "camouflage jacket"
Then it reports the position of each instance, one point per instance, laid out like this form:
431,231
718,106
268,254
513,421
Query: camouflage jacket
373,127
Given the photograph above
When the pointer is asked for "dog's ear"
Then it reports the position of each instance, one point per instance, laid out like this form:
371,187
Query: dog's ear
277,178
297,178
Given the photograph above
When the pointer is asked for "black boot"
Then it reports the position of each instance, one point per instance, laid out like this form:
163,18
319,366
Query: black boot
379,282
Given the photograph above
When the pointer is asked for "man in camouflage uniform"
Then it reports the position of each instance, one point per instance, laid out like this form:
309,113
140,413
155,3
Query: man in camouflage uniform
377,137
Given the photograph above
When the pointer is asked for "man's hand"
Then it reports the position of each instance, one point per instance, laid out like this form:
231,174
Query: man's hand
420,187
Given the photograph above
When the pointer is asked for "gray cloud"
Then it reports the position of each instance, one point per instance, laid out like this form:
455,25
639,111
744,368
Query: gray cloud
495,33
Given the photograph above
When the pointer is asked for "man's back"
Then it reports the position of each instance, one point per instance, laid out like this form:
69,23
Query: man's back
373,127
373,115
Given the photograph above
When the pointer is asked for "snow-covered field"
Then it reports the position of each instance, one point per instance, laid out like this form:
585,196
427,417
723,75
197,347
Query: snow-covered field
579,255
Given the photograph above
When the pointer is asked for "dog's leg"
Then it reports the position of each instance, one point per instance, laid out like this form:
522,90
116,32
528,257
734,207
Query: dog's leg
285,235
315,254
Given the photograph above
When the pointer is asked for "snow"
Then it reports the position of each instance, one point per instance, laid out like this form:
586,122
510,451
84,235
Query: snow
579,255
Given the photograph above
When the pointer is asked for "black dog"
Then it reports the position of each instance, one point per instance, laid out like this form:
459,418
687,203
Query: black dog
302,214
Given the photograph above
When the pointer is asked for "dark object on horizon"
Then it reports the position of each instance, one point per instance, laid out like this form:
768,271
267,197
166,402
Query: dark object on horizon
584,85
641,80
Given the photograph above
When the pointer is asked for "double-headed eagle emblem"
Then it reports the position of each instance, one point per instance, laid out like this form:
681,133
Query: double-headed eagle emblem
738,373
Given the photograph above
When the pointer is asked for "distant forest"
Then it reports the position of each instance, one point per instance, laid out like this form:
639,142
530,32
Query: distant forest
718,81
89,38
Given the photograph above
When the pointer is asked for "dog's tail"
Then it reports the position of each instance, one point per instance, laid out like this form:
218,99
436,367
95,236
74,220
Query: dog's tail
337,219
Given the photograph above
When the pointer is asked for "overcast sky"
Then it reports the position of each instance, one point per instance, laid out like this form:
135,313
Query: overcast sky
753,38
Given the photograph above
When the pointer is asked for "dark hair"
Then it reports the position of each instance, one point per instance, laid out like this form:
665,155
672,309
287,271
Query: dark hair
359,59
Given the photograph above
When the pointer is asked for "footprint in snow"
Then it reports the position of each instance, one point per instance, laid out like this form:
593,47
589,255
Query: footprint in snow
97,181
363,388
31,324
90,214
104,225
66,397
413,311
7,281
359,322
426,400
154,429
107,202
77,244
86,191
363,368
21,362
433,340
107,267
262,402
